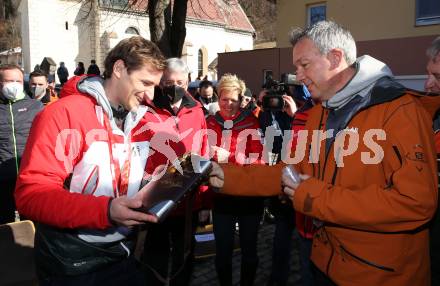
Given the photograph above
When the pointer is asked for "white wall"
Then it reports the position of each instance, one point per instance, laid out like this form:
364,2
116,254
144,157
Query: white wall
116,24
44,33
215,40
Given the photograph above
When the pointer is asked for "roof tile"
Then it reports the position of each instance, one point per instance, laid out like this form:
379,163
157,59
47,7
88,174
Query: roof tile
223,12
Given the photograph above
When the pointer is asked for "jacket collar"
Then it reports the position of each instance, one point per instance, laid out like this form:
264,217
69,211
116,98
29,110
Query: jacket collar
6,101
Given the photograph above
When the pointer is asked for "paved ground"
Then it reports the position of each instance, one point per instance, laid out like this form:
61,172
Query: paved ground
204,271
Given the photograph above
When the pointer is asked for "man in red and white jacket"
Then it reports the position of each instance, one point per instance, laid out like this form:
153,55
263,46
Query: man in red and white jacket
80,172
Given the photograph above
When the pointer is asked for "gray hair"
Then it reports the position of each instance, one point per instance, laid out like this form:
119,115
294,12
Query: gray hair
434,49
327,35
176,65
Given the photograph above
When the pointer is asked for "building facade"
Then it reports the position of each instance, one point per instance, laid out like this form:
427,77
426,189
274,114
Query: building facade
11,56
73,31
394,31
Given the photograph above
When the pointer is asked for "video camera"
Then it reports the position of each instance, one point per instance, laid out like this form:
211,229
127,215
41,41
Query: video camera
273,100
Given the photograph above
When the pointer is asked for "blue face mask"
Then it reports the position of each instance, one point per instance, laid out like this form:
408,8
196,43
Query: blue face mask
13,91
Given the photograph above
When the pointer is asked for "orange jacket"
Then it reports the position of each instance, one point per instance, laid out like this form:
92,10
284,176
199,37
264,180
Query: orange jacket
375,214
53,97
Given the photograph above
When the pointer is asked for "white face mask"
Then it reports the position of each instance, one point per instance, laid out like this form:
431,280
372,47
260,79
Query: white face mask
38,92
13,91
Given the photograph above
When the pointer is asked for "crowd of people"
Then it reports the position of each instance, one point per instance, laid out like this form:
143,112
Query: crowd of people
364,206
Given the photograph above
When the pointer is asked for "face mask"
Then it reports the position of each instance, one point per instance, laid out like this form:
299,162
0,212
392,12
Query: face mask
174,93
38,92
13,91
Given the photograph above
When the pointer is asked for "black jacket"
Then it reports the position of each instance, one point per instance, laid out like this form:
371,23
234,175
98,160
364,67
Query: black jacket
283,122
94,69
15,122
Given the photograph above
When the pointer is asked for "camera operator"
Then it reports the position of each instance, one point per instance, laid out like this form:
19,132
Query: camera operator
295,95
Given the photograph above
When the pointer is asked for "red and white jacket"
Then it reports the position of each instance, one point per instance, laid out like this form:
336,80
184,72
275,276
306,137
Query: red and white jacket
69,141
239,136
172,135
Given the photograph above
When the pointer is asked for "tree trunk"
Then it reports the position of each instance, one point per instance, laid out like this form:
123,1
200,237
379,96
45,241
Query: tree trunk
167,25
178,30
159,12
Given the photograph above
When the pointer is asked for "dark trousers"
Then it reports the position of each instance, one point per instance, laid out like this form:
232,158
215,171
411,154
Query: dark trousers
306,270
224,230
123,273
164,253
434,233
321,279
282,242
7,202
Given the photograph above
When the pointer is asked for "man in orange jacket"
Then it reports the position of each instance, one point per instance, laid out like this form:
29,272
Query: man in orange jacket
368,174
432,84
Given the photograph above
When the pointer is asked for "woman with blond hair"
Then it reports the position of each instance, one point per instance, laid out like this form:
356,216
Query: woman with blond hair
238,141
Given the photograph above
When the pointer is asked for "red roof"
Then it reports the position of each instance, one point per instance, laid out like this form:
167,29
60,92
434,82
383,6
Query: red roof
230,14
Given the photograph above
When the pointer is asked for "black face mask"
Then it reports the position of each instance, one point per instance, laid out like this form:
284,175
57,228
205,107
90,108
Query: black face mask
173,93
209,99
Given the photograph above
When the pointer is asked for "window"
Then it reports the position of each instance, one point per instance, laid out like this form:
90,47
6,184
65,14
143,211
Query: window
427,12
316,13
200,63
132,31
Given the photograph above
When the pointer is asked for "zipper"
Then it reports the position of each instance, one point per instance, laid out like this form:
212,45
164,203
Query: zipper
177,127
364,261
13,137
327,269
334,175
319,151
390,183
396,150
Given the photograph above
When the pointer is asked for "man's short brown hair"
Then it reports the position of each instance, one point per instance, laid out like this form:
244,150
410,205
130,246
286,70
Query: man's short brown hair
37,73
134,52
6,67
